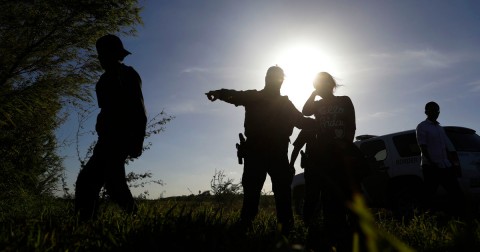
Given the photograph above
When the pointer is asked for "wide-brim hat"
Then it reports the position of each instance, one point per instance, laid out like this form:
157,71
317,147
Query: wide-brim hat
111,45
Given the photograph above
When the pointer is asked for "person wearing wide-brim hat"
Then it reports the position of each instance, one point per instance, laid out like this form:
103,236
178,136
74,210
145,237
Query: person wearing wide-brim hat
121,126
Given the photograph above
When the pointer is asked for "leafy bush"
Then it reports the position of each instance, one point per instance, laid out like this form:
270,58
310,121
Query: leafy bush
224,189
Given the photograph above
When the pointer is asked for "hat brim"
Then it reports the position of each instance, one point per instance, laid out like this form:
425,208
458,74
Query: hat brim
125,53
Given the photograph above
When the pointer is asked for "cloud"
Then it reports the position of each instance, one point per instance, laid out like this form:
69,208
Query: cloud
222,71
381,115
375,116
415,60
184,108
474,86
429,58
195,70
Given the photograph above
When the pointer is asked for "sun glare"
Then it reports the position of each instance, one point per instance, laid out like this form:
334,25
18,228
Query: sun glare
301,63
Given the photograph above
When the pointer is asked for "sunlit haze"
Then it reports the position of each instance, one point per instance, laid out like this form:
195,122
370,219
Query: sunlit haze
390,58
302,61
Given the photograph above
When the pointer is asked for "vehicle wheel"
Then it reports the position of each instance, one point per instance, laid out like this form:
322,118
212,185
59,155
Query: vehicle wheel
298,198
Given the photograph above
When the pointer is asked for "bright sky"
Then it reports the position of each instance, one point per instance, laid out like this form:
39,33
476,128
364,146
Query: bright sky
391,57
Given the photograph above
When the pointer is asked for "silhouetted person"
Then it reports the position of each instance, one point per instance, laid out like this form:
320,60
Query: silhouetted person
329,170
121,126
269,122
305,137
436,167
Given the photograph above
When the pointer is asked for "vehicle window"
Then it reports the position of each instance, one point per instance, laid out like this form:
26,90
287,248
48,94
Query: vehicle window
381,155
464,141
406,145
375,149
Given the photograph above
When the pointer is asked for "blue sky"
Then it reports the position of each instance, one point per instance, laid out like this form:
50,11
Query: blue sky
391,57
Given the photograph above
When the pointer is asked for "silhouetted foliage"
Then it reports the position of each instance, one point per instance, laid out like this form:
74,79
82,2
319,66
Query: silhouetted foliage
47,65
224,188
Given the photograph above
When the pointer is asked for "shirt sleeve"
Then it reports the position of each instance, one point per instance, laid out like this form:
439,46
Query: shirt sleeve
302,138
351,113
309,108
237,98
448,146
298,119
421,134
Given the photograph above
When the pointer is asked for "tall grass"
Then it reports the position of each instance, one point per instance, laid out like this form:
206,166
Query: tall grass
200,224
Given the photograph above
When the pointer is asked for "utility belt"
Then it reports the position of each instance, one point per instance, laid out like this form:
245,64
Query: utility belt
259,146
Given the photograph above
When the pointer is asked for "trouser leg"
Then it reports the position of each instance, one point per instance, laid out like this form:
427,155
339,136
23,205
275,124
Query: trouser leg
312,197
116,184
254,176
335,219
431,183
336,192
281,178
87,187
456,196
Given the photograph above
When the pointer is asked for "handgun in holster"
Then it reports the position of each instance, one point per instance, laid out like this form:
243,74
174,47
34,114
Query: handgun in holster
241,148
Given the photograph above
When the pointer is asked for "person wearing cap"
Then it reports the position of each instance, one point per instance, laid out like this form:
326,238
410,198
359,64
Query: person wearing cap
269,122
121,126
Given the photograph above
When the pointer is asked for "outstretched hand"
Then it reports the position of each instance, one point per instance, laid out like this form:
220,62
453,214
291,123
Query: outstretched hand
212,95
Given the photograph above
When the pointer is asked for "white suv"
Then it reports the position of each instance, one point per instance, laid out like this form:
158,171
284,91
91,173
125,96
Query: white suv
396,180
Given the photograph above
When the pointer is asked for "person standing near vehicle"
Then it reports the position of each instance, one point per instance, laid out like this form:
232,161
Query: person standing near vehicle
304,138
335,130
269,122
436,167
121,126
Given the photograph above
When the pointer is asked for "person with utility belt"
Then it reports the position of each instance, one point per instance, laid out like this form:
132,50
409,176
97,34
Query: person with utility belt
269,122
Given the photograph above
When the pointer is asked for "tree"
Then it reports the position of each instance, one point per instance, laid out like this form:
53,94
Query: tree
48,64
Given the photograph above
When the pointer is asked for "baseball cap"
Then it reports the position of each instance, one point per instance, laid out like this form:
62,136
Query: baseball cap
275,72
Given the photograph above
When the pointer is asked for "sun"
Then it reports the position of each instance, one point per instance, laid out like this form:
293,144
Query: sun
301,62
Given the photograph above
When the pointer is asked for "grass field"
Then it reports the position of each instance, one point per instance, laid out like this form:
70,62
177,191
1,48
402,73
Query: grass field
206,224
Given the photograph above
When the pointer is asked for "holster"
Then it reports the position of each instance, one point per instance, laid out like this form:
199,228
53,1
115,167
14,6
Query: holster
241,148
